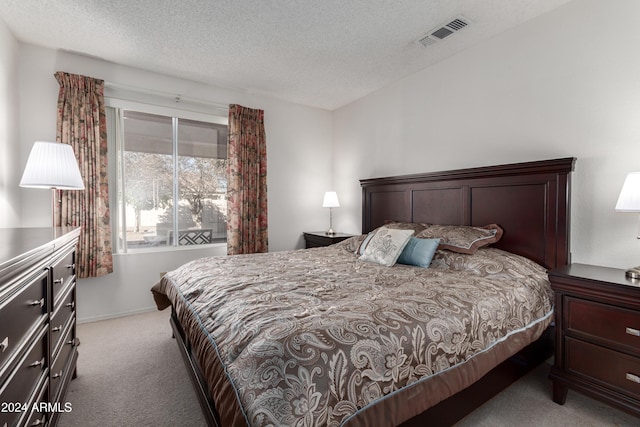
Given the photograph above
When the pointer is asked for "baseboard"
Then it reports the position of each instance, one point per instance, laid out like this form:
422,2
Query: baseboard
115,315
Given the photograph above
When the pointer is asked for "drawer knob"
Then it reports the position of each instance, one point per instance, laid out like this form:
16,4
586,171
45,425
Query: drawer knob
4,345
56,329
634,332
58,375
37,422
633,378
39,302
37,363
71,304
59,281
70,266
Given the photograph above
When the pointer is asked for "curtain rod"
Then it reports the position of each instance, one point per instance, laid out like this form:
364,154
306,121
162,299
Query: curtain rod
175,97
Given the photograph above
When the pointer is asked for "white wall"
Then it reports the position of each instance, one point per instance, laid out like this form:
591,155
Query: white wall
564,84
298,152
9,177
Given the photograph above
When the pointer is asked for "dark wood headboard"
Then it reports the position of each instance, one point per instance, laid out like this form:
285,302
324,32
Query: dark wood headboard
530,201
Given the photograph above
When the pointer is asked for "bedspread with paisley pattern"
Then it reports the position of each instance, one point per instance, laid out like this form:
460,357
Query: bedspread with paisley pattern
319,337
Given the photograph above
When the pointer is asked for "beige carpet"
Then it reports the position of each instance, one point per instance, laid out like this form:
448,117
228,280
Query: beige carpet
528,403
130,373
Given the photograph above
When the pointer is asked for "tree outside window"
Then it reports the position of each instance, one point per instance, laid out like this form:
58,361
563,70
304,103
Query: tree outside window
170,163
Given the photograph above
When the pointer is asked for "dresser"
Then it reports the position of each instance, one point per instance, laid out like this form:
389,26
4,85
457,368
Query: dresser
38,345
597,335
316,239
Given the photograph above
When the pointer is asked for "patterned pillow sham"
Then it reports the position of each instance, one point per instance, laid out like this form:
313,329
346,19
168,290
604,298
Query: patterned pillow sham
364,242
351,244
385,245
462,238
403,225
488,262
418,252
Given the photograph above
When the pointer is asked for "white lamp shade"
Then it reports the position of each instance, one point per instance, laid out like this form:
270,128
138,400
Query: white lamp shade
330,200
52,165
629,199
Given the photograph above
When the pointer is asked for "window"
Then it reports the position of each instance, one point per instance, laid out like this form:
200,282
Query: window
171,181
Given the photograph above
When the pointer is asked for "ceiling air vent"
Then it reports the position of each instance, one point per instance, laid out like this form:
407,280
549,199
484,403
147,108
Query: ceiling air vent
444,31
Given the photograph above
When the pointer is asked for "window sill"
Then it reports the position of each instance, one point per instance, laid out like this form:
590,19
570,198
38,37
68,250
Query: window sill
171,249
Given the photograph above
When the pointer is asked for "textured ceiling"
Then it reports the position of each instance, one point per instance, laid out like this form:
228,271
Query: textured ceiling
321,53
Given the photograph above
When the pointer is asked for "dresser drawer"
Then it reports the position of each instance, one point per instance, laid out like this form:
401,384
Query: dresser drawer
64,270
59,334
616,370
20,312
614,325
59,366
24,380
39,414
62,316
30,300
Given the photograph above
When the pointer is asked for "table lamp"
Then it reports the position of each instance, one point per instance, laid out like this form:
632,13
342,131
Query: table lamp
330,201
629,201
52,165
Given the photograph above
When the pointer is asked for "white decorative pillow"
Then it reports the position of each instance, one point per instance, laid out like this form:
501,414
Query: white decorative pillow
386,245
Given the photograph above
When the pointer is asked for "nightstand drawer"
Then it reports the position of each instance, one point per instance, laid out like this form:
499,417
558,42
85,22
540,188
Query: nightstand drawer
614,369
613,325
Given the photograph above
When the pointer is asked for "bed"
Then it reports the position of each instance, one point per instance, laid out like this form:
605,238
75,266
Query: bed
335,336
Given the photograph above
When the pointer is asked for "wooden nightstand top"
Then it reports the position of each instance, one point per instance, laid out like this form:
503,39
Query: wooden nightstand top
594,274
324,234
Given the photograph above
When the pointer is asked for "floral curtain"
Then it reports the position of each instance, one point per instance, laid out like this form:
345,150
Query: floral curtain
82,124
247,182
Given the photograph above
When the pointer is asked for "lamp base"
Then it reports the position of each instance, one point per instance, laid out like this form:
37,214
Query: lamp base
633,273
330,232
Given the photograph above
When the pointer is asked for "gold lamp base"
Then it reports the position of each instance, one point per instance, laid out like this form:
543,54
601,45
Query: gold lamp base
633,273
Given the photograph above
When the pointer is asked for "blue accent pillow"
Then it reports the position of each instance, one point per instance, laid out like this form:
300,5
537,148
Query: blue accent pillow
419,252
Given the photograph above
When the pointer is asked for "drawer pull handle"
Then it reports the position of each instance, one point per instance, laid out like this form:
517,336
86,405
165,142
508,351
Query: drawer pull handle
58,375
39,302
632,377
634,332
71,304
57,329
4,345
37,363
70,266
71,342
59,281
38,422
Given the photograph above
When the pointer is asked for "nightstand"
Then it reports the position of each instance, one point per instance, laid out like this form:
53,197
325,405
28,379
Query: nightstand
597,335
316,239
